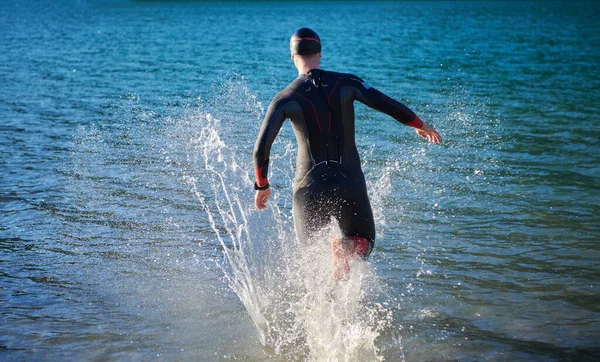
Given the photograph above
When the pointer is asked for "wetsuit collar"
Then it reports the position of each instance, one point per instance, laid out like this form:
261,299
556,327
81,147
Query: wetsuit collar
312,73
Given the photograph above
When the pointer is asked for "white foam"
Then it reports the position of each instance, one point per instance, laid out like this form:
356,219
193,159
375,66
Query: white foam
287,289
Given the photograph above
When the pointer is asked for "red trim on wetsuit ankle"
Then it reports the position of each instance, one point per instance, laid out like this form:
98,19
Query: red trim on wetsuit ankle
260,180
415,123
361,245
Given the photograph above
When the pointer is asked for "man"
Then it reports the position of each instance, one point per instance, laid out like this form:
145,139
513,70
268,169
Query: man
329,181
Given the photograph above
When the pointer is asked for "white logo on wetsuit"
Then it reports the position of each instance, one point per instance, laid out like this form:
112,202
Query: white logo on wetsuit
314,81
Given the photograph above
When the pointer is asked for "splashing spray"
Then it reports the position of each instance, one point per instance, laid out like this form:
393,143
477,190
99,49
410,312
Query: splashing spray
288,291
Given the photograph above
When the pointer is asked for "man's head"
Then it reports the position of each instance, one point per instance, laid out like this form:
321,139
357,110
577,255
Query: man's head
305,46
305,42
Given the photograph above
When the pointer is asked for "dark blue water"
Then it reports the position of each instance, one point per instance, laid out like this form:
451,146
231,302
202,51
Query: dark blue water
127,230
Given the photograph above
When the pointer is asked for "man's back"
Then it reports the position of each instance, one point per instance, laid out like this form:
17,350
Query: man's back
320,105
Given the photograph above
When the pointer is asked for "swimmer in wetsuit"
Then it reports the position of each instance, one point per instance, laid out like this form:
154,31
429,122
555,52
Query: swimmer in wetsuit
329,181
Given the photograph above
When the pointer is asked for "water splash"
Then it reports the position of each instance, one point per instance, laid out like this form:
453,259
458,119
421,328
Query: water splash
286,288
200,150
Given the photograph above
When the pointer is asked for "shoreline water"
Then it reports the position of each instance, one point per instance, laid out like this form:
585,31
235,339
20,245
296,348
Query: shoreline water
486,246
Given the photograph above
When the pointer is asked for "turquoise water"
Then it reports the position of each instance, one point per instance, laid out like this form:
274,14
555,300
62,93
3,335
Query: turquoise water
127,230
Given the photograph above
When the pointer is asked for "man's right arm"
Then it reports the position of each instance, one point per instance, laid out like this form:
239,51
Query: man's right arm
270,128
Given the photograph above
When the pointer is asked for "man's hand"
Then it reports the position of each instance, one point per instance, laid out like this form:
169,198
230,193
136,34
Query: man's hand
261,197
430,133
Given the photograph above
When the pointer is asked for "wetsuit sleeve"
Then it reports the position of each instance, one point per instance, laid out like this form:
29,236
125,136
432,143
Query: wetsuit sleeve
381,102
270,128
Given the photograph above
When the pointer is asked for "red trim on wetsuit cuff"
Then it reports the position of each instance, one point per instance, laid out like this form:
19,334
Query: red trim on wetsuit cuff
415,123
260,180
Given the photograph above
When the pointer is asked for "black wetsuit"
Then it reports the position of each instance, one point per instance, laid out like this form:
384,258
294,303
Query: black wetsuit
329,180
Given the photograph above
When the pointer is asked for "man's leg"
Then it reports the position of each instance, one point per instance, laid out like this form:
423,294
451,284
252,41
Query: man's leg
357,226
345,249
310,211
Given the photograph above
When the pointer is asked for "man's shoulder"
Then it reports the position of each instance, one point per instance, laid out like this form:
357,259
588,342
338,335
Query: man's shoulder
338,74
288,91
350,77
292,86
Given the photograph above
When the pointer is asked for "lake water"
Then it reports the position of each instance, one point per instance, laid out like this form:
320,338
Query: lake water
127,226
